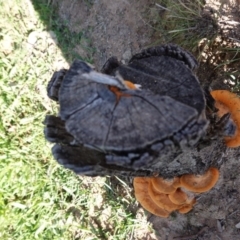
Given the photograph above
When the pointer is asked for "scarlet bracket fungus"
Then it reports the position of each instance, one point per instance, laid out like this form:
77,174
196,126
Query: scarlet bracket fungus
229,102
159,203
141,193
161,199
181,198
200,183
178,197
162,185
160,196
187,207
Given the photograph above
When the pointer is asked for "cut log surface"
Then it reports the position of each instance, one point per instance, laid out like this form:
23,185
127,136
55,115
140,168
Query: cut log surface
105,128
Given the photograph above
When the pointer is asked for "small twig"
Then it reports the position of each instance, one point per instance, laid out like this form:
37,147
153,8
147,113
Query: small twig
182,30
158,5
192,236
234,39
232,213
218,237
234,23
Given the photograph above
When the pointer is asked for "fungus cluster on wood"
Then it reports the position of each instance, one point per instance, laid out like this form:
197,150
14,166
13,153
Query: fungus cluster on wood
161,196
108,126
227,102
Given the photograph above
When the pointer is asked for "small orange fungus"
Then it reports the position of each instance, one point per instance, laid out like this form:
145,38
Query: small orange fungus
229,102
130,85
119,93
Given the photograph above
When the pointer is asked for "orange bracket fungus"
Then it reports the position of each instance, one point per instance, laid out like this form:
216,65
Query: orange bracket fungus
200,183
227,102
178,197
186,208
163,185
160,196
141,194
161,199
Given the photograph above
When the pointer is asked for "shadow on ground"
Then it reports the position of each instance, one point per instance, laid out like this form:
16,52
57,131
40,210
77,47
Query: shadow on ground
68,40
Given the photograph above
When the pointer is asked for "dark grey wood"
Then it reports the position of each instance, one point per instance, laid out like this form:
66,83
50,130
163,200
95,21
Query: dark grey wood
161,129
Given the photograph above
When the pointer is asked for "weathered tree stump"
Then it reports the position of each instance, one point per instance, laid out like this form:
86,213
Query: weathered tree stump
166,128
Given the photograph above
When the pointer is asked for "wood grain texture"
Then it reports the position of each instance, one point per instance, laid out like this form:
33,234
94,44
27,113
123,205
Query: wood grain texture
158,129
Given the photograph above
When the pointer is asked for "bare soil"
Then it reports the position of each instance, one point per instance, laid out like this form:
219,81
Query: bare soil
115,28
121,28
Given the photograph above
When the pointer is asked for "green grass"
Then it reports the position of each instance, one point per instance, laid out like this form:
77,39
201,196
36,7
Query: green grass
188,24
183,22
232,74
38,198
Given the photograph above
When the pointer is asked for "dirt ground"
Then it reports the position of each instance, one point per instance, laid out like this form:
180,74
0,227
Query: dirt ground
121,28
